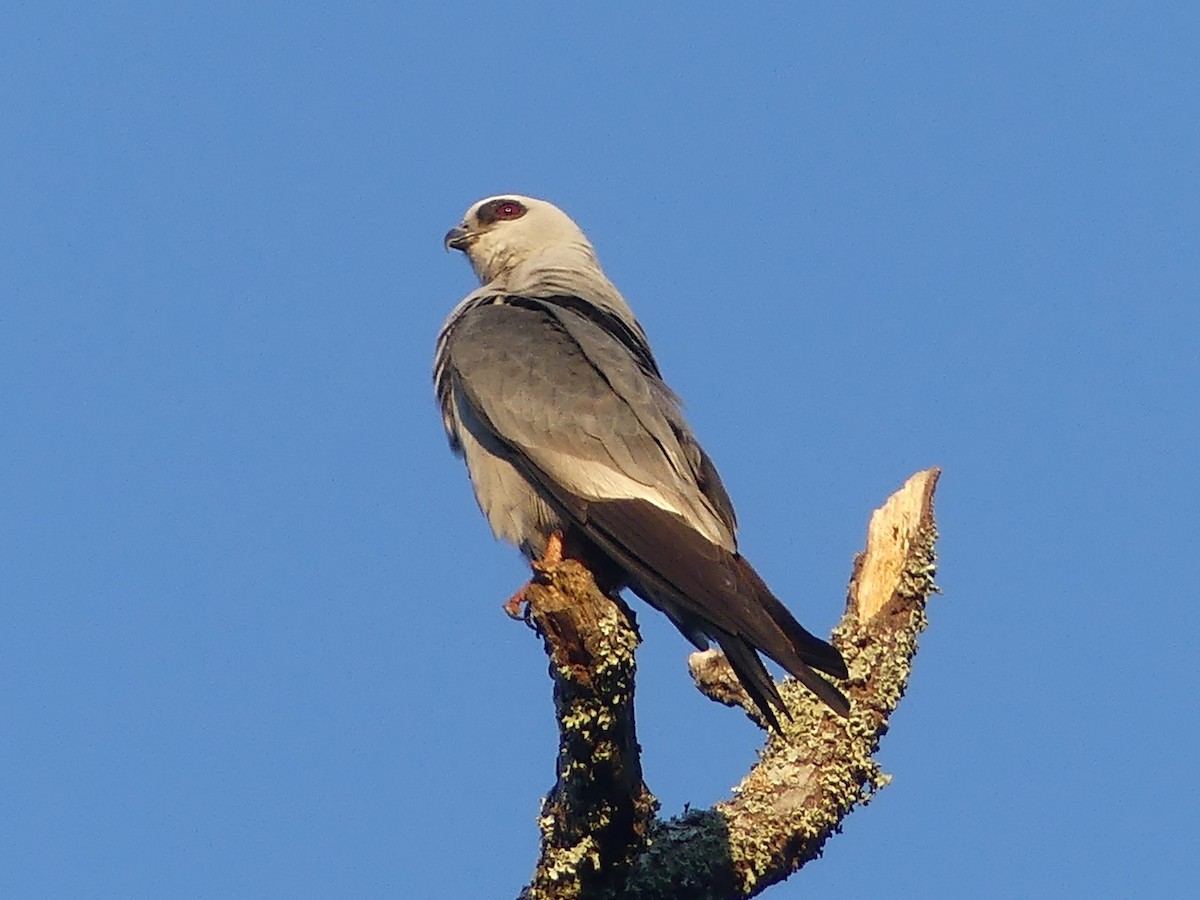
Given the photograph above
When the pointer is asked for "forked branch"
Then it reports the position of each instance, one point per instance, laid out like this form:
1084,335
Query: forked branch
600,835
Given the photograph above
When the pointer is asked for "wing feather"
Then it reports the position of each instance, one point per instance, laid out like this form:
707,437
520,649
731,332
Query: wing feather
559,392
588,422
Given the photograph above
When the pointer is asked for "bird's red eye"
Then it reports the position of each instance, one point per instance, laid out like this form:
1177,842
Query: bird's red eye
501,208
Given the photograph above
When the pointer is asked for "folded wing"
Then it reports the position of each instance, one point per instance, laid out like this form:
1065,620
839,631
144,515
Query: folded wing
586,420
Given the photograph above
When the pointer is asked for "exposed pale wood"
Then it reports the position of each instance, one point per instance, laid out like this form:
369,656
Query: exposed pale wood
892,529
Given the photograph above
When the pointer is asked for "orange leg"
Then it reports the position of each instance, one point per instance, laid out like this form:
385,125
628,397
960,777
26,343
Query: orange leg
513,604
552,556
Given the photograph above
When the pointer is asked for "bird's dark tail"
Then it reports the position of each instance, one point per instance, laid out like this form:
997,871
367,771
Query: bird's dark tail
789,644
757,681
707,589
808,647
769,628
754,678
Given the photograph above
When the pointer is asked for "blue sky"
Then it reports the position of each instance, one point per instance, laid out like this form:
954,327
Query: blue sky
252,642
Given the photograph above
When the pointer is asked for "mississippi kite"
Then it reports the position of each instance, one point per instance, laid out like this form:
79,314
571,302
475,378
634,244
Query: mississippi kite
549,390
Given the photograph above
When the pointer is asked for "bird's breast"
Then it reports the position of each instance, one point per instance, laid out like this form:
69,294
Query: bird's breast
515,511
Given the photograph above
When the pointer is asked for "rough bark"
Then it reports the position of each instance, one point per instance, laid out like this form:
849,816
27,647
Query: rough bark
600,834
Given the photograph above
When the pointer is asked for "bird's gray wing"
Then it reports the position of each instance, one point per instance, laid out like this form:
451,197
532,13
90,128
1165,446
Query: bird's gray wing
662,401
575,406
585,423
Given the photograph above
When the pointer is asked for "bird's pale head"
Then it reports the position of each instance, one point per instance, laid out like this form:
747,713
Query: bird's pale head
499,233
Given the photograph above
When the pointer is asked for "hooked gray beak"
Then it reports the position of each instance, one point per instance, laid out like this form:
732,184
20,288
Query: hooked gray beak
456,238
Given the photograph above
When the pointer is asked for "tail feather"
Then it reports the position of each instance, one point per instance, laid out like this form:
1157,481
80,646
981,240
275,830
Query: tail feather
754,678
707,589
830,696
758,683
811,650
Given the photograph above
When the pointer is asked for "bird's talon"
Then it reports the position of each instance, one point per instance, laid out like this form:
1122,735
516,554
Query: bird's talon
514,605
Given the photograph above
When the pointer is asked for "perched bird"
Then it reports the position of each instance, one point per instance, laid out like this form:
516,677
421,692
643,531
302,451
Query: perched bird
550,392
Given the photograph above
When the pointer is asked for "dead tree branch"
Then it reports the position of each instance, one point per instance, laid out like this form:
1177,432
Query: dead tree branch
600,835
